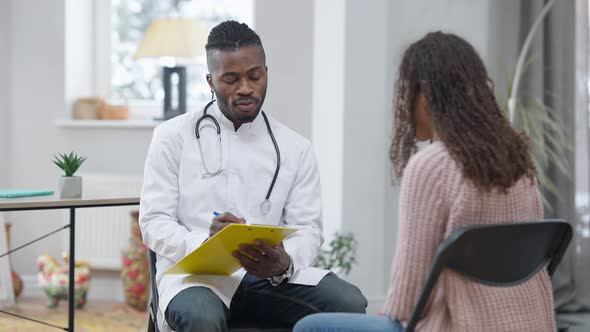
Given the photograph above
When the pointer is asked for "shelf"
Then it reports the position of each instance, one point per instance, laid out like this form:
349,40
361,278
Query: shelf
128,124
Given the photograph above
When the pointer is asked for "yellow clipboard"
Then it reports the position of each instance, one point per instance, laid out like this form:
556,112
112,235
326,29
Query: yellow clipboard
215,255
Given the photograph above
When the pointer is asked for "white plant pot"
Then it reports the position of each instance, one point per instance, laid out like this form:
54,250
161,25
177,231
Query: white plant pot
70,187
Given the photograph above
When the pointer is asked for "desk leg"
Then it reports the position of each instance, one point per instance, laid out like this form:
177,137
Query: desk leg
71,294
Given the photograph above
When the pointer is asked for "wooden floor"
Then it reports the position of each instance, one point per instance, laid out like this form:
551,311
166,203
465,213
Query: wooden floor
96,316
114,317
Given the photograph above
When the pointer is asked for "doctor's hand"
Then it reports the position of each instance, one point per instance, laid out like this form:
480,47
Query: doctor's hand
222,220
262,260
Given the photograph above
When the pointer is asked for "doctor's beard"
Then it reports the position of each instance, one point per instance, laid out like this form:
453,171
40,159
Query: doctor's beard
232,113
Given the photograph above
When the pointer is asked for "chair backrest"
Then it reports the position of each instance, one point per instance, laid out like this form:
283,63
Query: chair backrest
497,255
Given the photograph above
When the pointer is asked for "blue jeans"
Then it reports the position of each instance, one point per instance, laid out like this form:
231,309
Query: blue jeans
341,322
256,300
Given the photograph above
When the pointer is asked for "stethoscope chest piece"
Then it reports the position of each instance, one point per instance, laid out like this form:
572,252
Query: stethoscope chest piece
265,207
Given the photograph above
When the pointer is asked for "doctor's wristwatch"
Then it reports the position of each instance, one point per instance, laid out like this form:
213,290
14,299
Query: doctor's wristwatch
277,280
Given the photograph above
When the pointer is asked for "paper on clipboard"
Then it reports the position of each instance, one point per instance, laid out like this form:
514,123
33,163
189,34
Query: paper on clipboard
215,255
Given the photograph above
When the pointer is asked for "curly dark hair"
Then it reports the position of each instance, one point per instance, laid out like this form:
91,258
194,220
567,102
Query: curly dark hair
447,70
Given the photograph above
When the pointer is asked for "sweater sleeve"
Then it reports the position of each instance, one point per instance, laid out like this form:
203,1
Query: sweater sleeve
422,221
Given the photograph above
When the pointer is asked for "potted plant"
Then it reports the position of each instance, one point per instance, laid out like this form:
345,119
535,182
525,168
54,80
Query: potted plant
340,256
70,186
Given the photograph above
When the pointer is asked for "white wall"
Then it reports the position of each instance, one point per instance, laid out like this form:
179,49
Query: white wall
366,106
286,30
4,92
503,43
37,95
328,81
79,50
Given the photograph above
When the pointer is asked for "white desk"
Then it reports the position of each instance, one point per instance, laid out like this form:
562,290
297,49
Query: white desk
54,202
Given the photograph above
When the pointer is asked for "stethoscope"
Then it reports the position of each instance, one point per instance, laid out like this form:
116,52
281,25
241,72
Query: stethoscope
266,205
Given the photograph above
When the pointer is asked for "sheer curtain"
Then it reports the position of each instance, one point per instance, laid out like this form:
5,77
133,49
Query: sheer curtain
580,269
558,77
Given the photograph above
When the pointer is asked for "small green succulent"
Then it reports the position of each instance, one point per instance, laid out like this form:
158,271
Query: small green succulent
69,163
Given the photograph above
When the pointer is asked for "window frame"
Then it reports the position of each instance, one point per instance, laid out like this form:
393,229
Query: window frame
102,63
102,42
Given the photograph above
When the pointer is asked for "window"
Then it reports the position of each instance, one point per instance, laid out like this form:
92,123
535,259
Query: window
139,81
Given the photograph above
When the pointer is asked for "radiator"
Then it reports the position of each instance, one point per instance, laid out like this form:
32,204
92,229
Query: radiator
102,233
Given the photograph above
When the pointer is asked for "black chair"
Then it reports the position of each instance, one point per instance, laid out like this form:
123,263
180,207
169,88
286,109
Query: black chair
153,308
232,326
497,255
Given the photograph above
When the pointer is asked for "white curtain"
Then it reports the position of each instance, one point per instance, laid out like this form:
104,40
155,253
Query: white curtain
581,243
558,77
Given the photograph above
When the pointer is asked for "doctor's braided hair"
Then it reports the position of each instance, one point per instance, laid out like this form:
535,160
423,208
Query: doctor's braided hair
231,35
447,70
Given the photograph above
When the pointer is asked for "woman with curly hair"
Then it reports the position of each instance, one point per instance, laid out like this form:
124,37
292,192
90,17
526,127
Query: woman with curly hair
477,170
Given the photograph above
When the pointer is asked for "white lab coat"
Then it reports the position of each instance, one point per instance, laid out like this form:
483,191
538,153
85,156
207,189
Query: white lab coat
177,200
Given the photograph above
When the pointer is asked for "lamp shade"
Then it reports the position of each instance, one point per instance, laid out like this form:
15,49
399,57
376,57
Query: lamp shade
172,37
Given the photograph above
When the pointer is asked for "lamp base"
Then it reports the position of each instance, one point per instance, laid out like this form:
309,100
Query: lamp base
174,84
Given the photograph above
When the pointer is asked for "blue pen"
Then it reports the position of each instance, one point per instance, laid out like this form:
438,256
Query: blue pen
215,213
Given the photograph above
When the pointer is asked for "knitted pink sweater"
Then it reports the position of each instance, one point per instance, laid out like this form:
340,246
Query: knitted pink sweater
436,200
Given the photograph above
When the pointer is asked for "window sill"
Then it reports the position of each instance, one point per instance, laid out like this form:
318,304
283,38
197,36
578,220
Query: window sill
124,124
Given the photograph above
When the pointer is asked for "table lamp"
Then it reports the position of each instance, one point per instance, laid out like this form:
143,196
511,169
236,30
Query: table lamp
173,38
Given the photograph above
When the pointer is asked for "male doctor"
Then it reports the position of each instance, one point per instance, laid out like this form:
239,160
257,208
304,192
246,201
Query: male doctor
187,179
